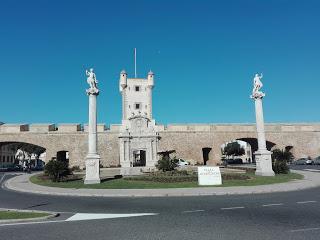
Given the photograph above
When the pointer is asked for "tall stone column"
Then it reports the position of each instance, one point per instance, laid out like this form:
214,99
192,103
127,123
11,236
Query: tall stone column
93,158
262,155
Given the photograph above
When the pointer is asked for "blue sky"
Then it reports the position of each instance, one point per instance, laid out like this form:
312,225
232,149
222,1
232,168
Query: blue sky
204,55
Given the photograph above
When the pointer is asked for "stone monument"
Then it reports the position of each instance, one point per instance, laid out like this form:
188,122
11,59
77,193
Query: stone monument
262,155
93,158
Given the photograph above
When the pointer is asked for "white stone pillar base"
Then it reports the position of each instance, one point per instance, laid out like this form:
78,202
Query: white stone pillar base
92,169
263,163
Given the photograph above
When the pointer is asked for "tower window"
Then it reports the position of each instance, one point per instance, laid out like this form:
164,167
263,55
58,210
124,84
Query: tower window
137,88
137,106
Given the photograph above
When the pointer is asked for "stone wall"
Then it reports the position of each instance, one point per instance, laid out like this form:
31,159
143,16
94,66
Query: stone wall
187,140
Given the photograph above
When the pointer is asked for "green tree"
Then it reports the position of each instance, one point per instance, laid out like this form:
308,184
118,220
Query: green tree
233,149
166,163
56,170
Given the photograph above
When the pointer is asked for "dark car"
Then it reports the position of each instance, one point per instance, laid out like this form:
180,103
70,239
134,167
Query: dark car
316,161
301,161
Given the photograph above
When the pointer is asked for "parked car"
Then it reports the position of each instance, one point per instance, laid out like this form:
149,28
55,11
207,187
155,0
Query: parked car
309,162
300,161
316,161
181,163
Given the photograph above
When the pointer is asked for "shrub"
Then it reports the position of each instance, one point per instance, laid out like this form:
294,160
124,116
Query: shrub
164,178
75,169
282,155
280,167
234,176
181,176
166,164
280,158
56,170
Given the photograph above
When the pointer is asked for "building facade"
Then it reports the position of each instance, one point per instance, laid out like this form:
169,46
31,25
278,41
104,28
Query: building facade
7,155
138,138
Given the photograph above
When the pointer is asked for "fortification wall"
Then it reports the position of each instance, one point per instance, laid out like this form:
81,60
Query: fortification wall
187,139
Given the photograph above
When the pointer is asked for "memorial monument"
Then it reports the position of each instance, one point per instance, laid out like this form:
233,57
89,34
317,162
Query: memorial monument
92,158
262,155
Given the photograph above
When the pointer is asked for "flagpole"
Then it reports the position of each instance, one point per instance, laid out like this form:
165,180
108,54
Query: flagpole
135,63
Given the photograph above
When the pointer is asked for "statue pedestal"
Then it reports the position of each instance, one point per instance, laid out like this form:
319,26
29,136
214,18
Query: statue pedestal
263,163
92,169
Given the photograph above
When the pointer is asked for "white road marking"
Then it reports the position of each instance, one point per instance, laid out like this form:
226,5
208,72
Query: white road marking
272,204
193,211
311,170
28,223
305,229
81,217
231,208
92,216
306,202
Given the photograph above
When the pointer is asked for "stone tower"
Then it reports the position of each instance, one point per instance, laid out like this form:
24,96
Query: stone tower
138,136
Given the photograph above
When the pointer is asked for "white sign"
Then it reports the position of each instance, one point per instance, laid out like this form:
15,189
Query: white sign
209,176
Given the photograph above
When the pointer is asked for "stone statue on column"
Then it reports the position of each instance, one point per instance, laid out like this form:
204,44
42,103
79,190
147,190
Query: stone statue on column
92,81
262,155
257,85
93,158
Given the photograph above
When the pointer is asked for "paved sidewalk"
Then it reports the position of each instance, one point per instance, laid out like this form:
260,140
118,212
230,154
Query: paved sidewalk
21,183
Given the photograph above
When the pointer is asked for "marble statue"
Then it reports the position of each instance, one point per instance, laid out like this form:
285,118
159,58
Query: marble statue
20,155
92,80
257,85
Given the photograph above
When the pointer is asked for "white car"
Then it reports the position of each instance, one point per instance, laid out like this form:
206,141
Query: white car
181,163
309,162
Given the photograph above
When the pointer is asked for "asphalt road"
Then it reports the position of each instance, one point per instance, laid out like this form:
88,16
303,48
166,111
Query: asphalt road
290,215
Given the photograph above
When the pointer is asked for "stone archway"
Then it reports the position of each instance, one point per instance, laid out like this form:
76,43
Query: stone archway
248,137
28,152
254,145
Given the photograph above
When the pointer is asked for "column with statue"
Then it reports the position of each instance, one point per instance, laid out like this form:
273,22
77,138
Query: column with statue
92,158
262,155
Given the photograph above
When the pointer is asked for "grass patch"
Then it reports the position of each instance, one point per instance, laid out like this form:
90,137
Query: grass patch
5,215
123,183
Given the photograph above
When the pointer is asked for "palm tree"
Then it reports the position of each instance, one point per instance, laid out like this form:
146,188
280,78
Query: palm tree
280,158
282,155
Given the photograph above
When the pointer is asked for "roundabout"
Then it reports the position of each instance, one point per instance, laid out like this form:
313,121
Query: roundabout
292,214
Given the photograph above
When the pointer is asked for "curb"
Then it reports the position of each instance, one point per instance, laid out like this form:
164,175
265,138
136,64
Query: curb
23,184
51,215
